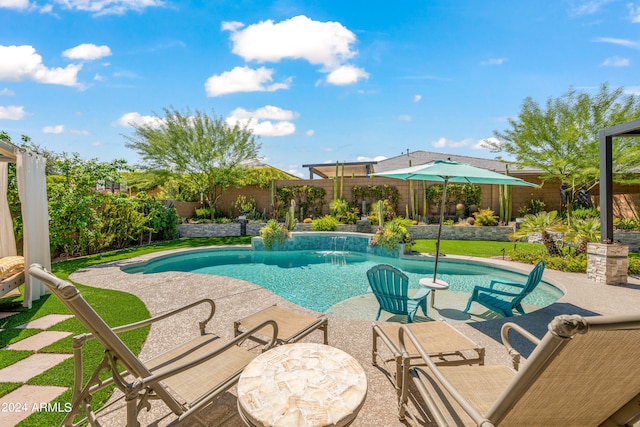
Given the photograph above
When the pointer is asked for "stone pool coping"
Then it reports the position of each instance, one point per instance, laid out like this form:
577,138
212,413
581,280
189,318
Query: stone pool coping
236,299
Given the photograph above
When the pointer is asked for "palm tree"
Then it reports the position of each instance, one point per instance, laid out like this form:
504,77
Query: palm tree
542,223
583,231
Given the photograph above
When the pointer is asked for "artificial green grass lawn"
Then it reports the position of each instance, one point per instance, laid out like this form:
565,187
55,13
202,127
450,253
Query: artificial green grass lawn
477,248
129,309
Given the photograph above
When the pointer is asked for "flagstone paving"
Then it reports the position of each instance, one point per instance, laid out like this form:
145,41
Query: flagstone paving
26,399
22,402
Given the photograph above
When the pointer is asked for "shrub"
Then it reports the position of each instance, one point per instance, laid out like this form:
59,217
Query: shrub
339,207
326,223
390,236
203,213
485,217
626,224
273,233
585,213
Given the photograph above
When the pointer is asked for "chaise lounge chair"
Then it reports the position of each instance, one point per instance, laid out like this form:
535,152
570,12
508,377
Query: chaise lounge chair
11,273
502,301
584,372
390,286
186,378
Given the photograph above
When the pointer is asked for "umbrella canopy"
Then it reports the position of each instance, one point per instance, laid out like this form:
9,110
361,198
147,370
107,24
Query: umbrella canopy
446,171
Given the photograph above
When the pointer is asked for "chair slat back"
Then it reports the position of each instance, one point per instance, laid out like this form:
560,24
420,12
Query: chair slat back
533,280
574,381
390,286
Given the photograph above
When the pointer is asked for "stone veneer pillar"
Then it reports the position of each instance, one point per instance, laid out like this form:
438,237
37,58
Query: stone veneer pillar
607,263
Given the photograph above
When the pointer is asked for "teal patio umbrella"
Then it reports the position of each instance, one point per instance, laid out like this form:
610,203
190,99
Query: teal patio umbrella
447,171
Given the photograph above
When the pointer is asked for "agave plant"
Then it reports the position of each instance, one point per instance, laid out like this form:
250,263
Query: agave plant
583,231
542,223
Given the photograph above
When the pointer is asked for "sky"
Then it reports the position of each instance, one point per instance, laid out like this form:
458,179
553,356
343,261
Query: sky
317,81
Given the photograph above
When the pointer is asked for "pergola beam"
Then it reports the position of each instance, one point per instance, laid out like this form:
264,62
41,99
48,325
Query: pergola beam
625,130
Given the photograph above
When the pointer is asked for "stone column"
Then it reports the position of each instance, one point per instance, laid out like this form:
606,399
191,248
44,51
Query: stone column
607,263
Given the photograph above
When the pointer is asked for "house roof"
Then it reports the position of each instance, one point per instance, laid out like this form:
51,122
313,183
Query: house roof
420,157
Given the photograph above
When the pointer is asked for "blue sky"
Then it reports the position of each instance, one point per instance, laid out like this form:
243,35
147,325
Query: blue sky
318,81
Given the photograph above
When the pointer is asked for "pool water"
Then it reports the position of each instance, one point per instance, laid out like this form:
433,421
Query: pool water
320,279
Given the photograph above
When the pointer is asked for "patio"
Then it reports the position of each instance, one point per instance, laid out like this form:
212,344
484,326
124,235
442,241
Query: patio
236,299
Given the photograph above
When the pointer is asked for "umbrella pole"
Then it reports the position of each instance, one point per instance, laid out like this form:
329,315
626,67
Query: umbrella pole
442,204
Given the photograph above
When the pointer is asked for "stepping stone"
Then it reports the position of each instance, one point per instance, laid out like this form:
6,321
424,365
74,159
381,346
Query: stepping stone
5,314
28,368
23,401
38,341
45,322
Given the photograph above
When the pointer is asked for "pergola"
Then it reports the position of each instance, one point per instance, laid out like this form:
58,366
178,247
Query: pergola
625,130
32,189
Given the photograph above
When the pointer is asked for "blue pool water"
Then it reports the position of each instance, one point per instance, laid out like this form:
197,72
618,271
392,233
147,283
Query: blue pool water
319,279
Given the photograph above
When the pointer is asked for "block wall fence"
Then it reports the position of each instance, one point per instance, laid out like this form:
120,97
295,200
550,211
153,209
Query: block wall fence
626,197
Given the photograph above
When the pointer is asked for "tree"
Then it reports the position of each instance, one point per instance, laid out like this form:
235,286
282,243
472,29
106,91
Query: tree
562,139
208,151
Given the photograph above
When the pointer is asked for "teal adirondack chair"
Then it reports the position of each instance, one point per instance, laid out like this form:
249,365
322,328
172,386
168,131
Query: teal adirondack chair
390,287
504,302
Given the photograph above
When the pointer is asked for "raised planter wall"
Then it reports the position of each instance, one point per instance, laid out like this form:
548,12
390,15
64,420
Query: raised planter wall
449,232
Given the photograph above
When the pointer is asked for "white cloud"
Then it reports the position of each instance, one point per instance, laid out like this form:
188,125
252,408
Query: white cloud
260,121
483,144
417,98
450,143
634,13
616,61
310,132
109,7
369,159
135,118
243,79
295,172
57,129
12,112
619,42
589,7
632,90
231,26
96,143
14,4
346,74
328,44
23,63
87,51
324,43
7,92
493,61
405,118
79,132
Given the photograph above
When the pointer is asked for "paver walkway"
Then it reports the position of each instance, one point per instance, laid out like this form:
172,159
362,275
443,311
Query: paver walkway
26,399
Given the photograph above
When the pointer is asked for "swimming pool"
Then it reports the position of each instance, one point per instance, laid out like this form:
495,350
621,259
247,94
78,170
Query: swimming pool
320,279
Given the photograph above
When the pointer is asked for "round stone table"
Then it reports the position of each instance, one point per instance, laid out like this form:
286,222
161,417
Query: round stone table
301,384
428,282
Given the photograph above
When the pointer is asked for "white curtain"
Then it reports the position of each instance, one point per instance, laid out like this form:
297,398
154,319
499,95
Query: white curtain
7,238
32,188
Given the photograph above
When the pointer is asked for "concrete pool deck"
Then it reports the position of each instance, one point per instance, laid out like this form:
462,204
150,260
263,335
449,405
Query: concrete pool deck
236,299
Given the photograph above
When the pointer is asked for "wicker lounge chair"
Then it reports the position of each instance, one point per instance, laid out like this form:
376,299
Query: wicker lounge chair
186,378
502,301
584,372
11,274
390,286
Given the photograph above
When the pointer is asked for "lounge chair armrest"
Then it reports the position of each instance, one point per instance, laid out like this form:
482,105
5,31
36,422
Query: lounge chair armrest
421,294
151,320
464,403
163,375
504,282
494,291
515,355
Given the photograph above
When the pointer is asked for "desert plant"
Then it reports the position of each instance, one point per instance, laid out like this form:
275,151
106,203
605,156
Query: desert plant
536,206
485,217
326,223
390,236
583,231
290,217
542,223
273,233
245,206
